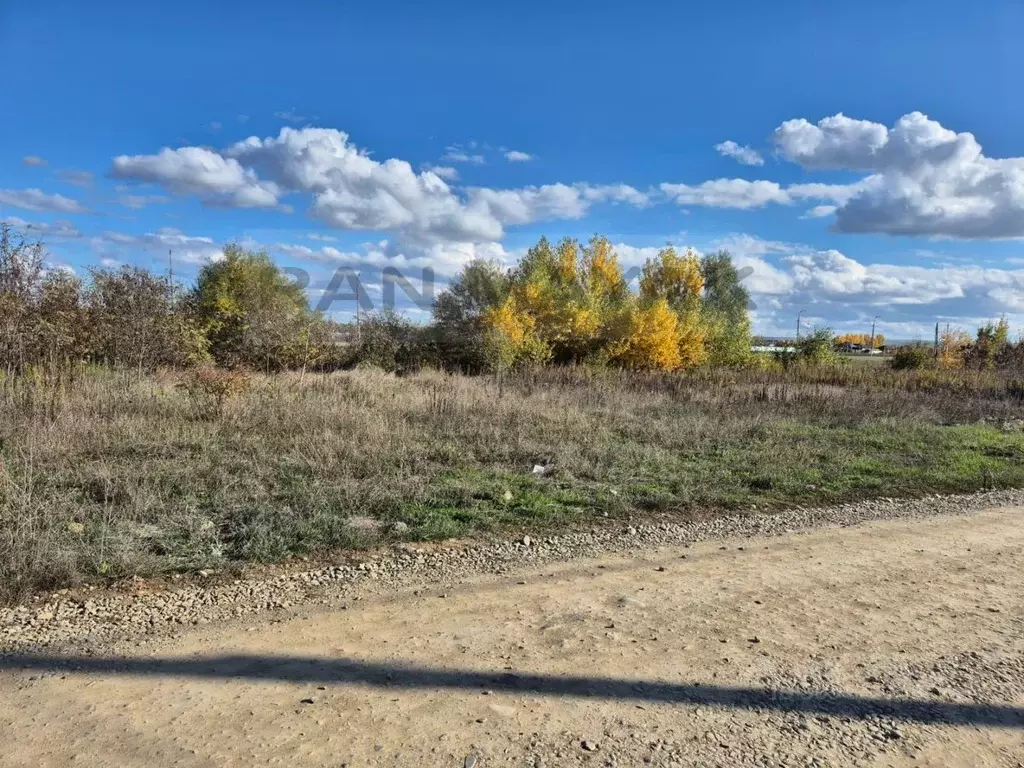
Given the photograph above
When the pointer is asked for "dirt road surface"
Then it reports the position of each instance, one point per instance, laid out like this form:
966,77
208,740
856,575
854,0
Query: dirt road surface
895,643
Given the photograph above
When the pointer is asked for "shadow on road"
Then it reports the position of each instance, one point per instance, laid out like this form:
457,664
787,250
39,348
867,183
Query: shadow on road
301,669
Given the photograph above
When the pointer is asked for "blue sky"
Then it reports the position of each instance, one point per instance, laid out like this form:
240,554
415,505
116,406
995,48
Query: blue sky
876,163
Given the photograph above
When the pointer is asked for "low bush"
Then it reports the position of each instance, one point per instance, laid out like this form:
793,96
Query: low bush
389,341
913,357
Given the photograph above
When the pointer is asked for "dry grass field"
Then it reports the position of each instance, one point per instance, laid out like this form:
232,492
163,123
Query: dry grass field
118,474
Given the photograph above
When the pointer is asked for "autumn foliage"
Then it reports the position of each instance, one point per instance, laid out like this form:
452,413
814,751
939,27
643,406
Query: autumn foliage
955,349
571,303
861,340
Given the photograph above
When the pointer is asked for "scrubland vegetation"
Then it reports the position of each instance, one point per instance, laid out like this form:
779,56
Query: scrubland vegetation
145,428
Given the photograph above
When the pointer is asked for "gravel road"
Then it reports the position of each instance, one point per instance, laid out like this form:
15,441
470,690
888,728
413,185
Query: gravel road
879,634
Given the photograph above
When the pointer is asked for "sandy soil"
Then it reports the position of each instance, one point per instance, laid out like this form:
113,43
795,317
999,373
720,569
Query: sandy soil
887,644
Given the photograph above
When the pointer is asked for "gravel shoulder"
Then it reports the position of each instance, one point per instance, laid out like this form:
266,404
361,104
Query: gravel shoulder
885,633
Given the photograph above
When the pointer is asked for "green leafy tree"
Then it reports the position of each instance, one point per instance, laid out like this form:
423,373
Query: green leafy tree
724,311
817,347
481,286
538,263
989,345
461,336
723,291
251,313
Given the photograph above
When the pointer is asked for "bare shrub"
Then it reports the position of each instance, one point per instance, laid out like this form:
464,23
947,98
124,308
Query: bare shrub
137,321
211,388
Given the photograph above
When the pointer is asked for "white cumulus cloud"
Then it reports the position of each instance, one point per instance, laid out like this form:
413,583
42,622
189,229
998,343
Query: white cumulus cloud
37,200
916,178
137,202
727,193
841,291
741,154
459,154
835,142
819,211
924,179
186,249
348,189
446,172
61,228
616,193
216,179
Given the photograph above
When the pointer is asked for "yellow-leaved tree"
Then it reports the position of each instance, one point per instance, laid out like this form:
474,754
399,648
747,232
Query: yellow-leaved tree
649,337
953,347
602,275
571,294
677,280
571,304
861,339
516,330
672,277
544,285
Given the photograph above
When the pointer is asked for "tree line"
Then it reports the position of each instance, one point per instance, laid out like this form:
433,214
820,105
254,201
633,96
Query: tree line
562,303
863,340
241,312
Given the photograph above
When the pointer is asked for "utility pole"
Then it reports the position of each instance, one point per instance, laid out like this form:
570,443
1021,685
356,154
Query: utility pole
359,330
872,347
170,277
798,314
